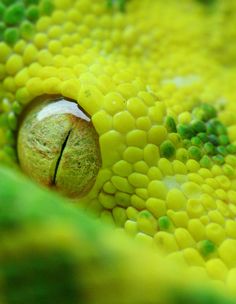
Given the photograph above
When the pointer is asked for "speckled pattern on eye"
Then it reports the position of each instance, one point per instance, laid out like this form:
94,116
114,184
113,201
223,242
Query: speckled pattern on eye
158,82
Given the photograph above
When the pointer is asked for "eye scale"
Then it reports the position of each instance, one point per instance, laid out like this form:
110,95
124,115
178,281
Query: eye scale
62,106
58,146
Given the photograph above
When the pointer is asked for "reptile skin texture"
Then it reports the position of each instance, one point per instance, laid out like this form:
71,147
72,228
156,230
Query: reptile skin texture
157,80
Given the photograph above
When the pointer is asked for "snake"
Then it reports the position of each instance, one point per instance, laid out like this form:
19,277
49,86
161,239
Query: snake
117,151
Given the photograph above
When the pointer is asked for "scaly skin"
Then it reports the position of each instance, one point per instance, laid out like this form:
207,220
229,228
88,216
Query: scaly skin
158,83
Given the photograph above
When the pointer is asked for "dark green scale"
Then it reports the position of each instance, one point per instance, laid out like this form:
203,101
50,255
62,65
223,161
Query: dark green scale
121,4
195,153
205,138
17,18
170,124
206,247
167,149
164,222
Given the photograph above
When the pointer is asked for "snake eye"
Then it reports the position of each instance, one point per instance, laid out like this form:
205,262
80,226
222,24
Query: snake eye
58,146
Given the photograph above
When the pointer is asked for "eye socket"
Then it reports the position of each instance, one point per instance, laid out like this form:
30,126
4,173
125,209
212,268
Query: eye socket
58,147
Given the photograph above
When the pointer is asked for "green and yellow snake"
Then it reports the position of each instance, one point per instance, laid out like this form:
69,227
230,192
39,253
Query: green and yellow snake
129,110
